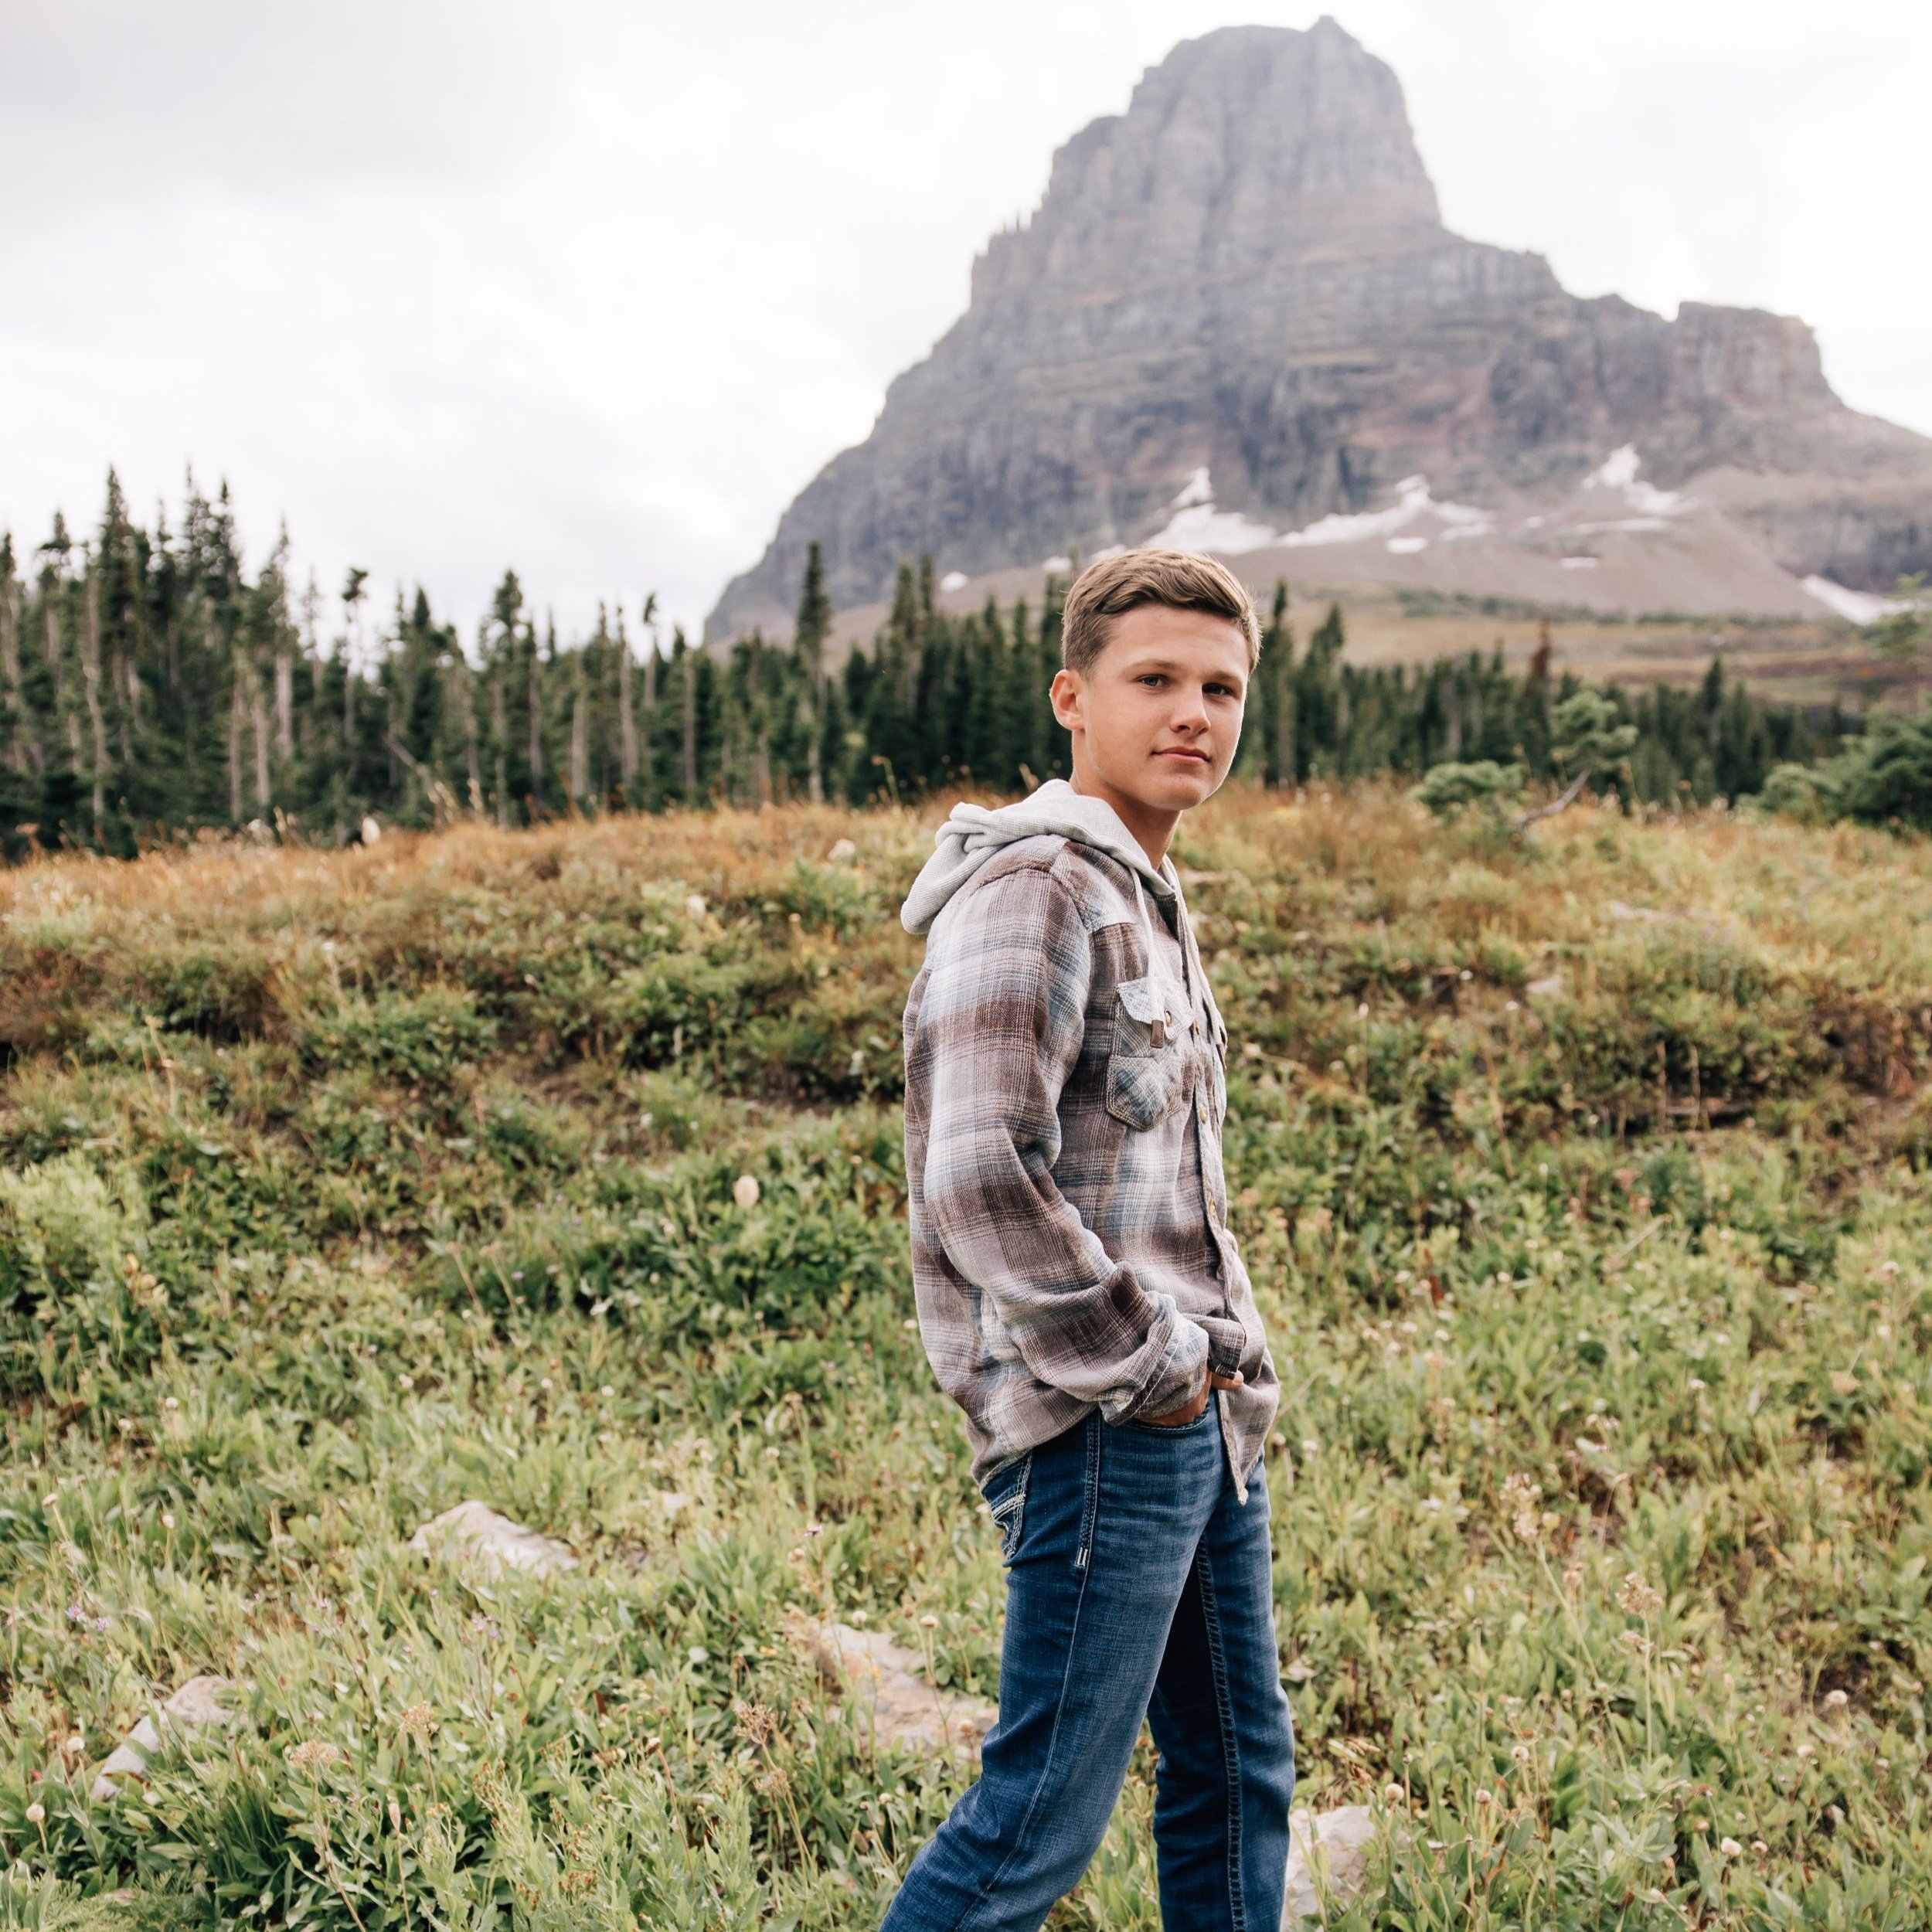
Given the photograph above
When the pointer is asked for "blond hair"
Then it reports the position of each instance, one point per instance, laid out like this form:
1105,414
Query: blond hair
1115,585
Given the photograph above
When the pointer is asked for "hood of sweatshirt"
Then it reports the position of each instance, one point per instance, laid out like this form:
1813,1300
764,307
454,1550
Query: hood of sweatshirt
972,834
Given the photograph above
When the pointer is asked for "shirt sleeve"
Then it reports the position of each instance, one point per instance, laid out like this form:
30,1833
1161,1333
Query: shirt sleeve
999,1031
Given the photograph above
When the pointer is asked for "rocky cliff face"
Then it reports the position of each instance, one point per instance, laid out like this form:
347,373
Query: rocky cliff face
1246,273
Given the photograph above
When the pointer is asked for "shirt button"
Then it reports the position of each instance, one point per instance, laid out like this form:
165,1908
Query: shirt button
1201,1108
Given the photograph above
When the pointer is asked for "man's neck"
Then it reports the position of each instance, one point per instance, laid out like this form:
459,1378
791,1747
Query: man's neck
1152,831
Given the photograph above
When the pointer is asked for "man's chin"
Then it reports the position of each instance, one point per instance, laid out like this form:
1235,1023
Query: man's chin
1178,788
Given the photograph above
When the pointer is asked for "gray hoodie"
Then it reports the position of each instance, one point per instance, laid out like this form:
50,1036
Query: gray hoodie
973,834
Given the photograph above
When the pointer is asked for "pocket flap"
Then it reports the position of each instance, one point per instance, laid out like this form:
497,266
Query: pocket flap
1148,1000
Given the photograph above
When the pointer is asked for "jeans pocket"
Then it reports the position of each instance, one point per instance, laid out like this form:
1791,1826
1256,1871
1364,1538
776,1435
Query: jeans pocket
1005,1494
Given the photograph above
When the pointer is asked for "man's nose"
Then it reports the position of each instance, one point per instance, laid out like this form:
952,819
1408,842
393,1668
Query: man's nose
1190,712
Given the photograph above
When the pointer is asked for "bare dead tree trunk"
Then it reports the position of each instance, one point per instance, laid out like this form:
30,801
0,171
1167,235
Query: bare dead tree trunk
235,706
258,724
284,701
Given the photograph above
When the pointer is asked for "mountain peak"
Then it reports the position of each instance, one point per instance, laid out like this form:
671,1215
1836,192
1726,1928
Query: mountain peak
1247,273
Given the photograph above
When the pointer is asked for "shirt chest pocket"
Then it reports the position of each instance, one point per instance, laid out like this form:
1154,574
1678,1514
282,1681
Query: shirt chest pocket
1152,1062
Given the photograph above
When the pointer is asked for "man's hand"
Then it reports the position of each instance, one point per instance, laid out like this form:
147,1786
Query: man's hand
1180,1418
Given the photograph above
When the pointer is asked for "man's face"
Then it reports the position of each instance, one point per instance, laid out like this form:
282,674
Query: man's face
1158,715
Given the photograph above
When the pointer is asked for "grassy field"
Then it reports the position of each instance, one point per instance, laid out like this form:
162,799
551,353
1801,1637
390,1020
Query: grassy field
1588,1189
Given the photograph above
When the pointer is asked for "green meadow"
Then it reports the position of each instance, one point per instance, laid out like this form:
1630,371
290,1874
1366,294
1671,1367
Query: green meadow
1586,1180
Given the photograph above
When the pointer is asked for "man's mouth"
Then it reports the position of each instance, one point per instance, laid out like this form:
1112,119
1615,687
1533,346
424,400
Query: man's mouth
1184,752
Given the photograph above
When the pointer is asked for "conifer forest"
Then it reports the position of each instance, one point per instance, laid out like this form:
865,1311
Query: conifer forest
149,687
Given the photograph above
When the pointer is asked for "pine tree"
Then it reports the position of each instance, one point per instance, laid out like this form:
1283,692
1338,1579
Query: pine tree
808,642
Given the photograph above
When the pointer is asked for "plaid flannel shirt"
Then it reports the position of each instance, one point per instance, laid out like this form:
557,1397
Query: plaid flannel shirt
1065,1097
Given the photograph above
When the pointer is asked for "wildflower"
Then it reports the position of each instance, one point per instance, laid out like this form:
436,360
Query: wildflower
1519,1497
1758,1846
1485,1798
744,1191
1309,1447
418,1721
1572,1576
929,1622
170,1403
168,1519
757,1724
36,1814
1637,1598
312,1755
1835,1700
1730,1847
1522,1754
694,906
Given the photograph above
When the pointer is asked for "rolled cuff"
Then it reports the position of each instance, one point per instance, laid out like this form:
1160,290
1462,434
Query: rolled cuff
1179,1375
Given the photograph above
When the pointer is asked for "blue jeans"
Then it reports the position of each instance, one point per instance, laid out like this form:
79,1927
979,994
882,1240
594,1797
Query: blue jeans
1138,1587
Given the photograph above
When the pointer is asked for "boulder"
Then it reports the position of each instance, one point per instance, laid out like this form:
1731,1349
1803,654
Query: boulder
196,1706
884,1686
473,1531
1333,1846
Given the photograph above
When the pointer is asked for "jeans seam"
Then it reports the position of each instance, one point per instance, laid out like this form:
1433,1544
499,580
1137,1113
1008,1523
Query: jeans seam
967,1919
1230,1747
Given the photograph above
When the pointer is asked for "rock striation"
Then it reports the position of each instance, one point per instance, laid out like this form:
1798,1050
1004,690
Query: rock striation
1246,275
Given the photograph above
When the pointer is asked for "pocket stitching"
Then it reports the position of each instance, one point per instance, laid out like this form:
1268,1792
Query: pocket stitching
1009,1511
1127,1054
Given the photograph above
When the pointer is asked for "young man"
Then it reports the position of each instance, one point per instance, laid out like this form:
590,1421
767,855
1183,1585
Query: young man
1081,1297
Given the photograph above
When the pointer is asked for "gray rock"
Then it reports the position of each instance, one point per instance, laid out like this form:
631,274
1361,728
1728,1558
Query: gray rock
1332,1846
473,1532
884,1686
1247,272
196,1706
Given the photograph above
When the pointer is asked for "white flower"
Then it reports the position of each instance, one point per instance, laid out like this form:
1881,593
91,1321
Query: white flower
744,1191
36,1814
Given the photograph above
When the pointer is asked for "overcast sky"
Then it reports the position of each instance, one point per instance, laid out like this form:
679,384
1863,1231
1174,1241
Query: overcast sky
591,289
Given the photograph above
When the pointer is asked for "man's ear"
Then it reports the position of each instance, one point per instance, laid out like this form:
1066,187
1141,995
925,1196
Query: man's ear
1069,696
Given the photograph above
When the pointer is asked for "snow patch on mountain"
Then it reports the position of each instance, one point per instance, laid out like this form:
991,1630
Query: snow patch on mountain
1618,472
1857,606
